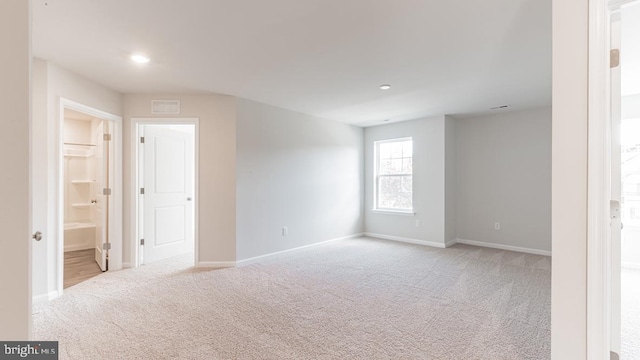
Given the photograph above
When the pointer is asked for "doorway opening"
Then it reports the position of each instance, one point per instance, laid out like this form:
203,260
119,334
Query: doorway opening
89,194
165,178
86,203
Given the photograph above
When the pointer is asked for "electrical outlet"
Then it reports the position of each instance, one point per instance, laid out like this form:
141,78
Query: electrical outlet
496,226
285,231
418,223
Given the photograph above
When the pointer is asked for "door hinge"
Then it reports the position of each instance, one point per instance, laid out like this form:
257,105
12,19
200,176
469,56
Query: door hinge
141,191
614,58
141,241
106,246
106,191
106,137
141,139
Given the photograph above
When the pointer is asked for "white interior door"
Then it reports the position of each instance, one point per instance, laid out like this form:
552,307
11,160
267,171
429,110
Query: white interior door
100,201
168,182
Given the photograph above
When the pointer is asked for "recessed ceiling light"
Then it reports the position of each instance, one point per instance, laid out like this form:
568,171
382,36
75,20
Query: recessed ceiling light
385,87
140,59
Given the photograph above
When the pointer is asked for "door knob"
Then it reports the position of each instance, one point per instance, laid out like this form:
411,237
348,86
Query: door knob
188,199
37,236
94,201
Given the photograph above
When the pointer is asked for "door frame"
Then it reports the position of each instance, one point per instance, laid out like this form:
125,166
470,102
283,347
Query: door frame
134,260
115,168
599,245
598,184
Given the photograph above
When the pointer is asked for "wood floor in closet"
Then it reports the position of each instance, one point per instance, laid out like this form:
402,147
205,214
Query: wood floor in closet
79,266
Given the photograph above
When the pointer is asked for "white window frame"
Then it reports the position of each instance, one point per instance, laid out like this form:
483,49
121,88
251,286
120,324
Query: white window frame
376,175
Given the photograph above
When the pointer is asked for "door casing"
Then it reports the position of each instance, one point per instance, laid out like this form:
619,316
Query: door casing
115,174
599,239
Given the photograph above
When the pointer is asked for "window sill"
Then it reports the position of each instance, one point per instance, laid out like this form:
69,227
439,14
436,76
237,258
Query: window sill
393,212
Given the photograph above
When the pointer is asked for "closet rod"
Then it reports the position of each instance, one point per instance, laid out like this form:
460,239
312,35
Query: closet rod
78,144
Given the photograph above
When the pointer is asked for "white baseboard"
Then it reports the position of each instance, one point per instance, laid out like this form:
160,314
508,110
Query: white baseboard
39,299
253,259
216,264
450,243
409,240
504,247
126,265
78,247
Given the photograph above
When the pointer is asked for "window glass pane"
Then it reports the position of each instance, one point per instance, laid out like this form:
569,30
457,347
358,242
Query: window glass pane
404,202
406,184
407,148
385,167
384,151
392,166
407,166
395,192
396,150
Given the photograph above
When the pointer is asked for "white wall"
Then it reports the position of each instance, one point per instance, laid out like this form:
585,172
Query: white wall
15,69
295,171
504,175
429,137
569,180
50,83
217,169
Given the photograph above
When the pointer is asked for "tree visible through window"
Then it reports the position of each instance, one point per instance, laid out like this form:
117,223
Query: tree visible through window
394,174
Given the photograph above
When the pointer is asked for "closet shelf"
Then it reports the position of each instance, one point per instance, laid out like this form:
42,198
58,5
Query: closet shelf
76,155
82,181
81,205
78,151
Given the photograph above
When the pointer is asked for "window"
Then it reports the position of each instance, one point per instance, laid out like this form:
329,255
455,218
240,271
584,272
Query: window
394,175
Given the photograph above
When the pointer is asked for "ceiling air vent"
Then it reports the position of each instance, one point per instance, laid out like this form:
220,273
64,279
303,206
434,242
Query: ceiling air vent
165,107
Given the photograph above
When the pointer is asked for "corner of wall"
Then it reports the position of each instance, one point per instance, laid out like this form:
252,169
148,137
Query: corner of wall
451,181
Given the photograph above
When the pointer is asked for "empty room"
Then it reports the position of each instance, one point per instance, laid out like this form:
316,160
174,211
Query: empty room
292,180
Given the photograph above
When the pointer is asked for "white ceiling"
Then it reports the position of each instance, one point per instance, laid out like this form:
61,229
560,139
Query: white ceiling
76,115
321,57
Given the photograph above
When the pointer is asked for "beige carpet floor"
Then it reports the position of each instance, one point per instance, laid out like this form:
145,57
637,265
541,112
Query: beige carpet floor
351,299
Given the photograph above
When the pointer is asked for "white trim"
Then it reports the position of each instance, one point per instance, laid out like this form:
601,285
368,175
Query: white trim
78,247
504,247
599,184
134,260
393,212
40,299
408,240
115,223
255,258
216,264
450,243
126,265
